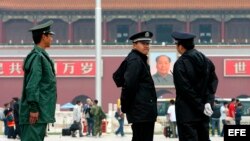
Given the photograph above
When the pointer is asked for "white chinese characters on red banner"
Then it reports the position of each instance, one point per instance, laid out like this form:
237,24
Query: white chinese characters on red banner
63,68
237,67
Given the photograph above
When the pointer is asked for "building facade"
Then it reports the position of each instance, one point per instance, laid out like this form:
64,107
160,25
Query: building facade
212,21
224,28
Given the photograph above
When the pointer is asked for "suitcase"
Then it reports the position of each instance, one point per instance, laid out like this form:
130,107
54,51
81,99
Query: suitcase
66,132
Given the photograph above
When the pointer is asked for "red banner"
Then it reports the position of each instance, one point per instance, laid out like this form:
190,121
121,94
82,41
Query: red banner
237,67
63,68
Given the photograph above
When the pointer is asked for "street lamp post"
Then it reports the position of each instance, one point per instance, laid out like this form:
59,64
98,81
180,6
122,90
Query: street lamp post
98,36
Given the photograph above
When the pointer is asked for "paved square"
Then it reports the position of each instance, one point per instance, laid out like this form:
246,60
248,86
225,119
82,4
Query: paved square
105,137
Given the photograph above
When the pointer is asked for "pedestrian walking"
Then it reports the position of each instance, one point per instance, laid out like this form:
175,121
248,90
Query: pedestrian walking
119,115
172,118
224,113
215,118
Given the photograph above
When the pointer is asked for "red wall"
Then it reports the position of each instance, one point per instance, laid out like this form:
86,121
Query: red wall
230,86
69,88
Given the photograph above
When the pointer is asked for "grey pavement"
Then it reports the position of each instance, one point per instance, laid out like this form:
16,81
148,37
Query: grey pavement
105,137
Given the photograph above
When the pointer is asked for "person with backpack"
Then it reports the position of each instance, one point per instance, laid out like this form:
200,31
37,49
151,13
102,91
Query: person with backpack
98,116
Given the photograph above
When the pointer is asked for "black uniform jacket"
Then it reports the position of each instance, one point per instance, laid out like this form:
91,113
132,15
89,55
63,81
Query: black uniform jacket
195,83
139,87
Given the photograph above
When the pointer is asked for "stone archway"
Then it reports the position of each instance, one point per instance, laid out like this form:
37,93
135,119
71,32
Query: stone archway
81,98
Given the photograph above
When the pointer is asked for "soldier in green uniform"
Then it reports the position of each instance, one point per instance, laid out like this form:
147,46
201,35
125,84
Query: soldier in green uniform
37,106
98,116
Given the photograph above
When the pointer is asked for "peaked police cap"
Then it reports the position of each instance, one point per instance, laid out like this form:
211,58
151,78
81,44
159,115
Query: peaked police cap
141,36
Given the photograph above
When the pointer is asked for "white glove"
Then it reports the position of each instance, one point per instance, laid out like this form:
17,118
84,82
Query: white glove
208,110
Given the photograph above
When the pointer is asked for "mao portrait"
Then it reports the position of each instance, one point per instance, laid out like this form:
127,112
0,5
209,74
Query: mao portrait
161,65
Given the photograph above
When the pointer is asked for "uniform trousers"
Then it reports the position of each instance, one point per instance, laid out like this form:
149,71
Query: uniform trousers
193,131
143,131
34,132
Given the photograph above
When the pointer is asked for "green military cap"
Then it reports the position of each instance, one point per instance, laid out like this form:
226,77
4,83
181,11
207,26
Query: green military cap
42,28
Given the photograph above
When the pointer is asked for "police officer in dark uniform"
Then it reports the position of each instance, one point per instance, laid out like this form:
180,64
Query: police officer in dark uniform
196,83
38,102
139,89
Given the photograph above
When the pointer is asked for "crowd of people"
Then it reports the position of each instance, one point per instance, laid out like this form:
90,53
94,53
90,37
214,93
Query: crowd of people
227,113
90,111
11,119
230,113
93,115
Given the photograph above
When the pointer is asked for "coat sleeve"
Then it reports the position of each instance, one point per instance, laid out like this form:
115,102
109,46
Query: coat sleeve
212,83
131,76
33,79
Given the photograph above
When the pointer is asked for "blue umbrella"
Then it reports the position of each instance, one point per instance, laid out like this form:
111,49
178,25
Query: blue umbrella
67,106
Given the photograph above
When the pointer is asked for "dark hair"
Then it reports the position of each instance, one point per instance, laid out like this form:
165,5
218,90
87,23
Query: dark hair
172,101
96,101
237,100
239,104
15,98
187,46
37,36
224,103
78,101
216,101
233,99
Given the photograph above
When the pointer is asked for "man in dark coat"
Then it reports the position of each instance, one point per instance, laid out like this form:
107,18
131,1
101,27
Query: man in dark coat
16,103
139,90
37,106
196,83
5,112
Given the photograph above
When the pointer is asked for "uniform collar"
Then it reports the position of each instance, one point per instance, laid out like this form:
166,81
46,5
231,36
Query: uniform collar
143,56
40,49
